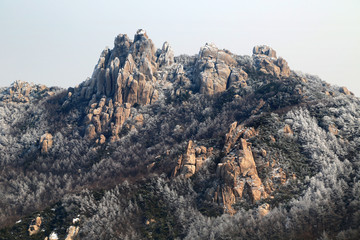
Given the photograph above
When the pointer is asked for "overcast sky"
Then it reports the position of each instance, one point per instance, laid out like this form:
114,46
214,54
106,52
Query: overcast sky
58,43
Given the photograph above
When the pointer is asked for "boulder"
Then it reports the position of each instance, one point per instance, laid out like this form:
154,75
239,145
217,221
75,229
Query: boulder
238,78
264,209
333,129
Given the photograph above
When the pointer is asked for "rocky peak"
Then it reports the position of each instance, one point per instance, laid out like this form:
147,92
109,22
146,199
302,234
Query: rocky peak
166,55
214,68
134,73
123,77
267,63
264,50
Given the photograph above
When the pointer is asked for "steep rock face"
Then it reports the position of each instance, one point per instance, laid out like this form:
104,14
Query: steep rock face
267,62
192,160
237,170
215,70
124,76
46,142
126,73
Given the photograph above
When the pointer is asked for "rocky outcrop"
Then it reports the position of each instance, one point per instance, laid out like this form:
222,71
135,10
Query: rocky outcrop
124,77
264,50
46,142
165,55
345,91
264,209
126,74
213,70
266,62
34,227
288,131
24,92
192,160
240,178
333,129
237,170
135,73
72,233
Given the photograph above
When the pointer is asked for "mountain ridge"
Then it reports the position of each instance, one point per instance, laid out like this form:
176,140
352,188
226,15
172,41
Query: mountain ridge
213,138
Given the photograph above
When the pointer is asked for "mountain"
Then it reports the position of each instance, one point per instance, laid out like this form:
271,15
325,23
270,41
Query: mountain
153,146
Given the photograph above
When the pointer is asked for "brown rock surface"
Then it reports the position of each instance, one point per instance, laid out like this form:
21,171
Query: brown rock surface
213,69
333,129
267,63
264,209
46,142
191,161
34,227
72,233
345,91
287,130
238,171
123,77
264,50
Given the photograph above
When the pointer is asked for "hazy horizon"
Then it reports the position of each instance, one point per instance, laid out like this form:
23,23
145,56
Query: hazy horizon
59,43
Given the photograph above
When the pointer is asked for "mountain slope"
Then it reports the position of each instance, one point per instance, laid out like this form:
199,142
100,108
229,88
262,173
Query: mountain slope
154,146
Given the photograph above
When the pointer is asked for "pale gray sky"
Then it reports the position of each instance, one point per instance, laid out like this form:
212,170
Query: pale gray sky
59,42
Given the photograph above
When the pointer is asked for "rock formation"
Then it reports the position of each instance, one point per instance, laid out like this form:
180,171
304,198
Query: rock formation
192,160
24,92
237,170
72,233
46,142
266,62
216,70
134,72
288,131
333,129
34,227
345,91
264,209
124,77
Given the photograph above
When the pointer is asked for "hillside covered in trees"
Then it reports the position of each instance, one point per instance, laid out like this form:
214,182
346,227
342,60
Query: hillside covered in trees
157,146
